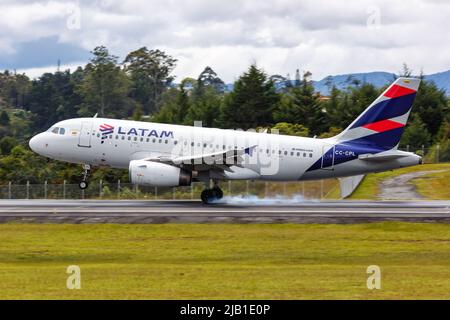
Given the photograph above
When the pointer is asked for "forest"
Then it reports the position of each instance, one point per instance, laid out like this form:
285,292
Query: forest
143,87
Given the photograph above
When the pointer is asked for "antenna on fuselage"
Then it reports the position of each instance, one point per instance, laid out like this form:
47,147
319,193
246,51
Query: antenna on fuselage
95,115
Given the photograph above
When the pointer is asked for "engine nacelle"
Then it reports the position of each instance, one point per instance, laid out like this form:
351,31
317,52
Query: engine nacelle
158,174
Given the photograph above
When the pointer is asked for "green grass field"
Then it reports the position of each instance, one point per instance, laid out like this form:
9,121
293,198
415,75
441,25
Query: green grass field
218,261
432,186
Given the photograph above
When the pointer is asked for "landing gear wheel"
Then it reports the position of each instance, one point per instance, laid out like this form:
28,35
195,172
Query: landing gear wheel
218,193
87,170
205,196
83,185
210,195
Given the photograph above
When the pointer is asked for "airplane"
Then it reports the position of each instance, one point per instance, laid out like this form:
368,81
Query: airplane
174,155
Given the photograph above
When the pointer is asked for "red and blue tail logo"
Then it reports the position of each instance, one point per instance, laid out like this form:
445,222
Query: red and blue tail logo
378,128
383,122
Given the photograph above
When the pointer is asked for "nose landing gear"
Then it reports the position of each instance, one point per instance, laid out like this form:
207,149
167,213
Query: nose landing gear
209,195
87,171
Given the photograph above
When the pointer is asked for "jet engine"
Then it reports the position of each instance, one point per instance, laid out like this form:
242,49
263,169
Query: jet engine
158,174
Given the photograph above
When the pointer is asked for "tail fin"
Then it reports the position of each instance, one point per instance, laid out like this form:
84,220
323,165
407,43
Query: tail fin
383,122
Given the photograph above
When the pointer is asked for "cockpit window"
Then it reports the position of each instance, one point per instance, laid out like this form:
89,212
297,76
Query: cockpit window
55,130
62,131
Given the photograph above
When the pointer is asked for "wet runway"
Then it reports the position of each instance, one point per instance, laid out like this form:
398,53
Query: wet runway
228,211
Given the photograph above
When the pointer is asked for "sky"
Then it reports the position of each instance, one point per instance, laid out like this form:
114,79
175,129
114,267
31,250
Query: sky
324,37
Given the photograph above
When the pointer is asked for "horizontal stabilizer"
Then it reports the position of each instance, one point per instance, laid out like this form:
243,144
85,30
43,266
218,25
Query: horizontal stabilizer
384,156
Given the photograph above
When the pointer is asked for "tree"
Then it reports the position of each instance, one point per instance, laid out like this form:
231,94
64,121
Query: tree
4,118
405,71
416,135
175,107
279,82
14,89
149,71
53,97
252,101
208,78
431,106
302,106
291,129
205,108
137,113
6,145
333,131
343,107
105,87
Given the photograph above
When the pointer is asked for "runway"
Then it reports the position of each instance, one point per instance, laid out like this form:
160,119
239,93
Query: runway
229,211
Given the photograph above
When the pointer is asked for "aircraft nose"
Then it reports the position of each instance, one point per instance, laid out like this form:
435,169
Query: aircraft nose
36,143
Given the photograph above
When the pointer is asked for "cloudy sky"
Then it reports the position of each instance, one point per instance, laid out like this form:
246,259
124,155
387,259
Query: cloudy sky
324,37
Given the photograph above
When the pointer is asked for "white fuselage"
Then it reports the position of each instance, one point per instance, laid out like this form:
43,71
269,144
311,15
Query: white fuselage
114,143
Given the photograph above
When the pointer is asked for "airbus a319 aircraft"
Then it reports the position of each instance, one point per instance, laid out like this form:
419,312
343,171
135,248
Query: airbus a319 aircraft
173,155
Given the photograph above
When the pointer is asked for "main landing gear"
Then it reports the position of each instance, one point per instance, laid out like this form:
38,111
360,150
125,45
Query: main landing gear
87,171
210,195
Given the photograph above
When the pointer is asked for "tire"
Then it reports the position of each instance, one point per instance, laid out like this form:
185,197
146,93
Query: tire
83,185
208,196
205,196
218,193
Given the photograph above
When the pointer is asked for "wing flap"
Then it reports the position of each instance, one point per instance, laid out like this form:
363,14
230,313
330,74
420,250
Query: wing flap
221,160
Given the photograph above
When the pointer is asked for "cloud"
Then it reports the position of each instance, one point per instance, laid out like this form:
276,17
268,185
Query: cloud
325,37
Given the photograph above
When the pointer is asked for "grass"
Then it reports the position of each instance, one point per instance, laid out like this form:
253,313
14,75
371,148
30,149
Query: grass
431,186
434,186
223,261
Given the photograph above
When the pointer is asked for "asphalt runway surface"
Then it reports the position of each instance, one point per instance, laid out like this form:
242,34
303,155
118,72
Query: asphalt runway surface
228,211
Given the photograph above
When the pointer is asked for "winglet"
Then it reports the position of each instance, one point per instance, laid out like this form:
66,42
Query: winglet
249,150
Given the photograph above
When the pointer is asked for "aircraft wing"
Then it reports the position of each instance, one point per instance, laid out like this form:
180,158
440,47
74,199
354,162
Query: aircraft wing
221,160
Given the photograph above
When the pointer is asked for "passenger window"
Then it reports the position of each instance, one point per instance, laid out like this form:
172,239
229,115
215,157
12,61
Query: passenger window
135,139
129,138
310,155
